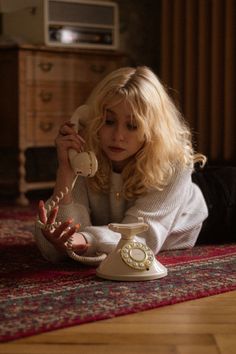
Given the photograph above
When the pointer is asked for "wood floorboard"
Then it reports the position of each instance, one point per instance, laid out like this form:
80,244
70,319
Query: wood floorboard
206,326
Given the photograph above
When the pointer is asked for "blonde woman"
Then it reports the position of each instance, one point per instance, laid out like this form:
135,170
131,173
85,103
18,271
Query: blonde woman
145,165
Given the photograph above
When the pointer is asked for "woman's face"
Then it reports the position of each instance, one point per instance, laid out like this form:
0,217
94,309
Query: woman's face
119,136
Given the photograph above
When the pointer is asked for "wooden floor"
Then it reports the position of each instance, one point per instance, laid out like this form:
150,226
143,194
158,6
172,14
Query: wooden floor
204,326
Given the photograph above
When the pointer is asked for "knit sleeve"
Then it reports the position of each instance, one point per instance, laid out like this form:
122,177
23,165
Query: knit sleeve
174,216
161,210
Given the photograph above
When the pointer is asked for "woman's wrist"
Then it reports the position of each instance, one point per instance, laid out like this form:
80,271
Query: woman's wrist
65,173
63,185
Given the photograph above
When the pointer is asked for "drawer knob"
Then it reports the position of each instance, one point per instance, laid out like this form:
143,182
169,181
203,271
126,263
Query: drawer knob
46,126
98,69
45,96
46,66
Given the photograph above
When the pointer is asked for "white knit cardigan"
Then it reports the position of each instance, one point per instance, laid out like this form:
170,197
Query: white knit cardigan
174,215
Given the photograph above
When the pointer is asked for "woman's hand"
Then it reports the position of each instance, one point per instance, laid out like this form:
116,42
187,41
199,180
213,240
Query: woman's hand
58,236
65,140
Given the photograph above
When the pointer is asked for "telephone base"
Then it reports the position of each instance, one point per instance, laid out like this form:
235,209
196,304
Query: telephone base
114,268
135,275
131,261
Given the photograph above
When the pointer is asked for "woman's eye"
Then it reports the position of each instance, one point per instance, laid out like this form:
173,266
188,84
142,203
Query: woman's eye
109,121
132,126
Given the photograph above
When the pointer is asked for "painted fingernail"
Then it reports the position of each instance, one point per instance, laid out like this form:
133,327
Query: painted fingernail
80,138
77,226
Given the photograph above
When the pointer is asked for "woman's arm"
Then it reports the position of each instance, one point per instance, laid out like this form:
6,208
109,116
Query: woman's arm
52,240
178,211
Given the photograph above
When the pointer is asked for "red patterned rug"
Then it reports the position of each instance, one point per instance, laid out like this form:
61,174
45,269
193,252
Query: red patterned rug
36,296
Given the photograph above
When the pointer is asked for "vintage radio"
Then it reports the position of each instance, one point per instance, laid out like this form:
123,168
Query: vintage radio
70,23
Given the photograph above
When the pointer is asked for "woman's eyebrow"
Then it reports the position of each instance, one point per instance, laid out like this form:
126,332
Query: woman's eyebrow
110,111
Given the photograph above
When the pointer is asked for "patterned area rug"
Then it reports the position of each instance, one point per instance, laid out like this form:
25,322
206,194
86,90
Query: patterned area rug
36,296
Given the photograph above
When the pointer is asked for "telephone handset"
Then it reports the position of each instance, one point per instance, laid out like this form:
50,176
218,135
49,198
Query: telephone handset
83,163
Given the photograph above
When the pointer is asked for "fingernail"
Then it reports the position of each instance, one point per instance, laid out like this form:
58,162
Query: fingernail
77,226
80,138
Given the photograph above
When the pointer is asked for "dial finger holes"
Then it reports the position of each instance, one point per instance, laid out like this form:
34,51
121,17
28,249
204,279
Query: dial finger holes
137,255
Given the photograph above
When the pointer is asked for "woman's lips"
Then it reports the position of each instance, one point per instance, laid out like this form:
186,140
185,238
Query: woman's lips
116,149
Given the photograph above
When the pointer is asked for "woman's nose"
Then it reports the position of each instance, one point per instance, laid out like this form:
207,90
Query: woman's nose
118,133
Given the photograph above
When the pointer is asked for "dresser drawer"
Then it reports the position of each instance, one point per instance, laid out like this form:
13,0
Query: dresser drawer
43,129
57,98
51,98
94,69
47,67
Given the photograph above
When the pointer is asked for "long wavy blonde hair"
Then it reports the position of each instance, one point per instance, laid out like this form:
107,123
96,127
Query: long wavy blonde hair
167,136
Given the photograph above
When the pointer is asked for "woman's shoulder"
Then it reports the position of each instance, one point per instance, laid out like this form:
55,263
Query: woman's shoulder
179,174
171,195
181,171
178,180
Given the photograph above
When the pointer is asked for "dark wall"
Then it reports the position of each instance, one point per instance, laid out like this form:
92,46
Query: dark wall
140,23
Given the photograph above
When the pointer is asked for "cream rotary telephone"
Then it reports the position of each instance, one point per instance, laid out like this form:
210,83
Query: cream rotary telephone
131,260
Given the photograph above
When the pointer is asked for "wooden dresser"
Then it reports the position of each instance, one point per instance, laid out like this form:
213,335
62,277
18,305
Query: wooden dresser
40,87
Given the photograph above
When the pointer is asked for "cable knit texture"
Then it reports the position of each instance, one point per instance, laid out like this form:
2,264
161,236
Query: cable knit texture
174,215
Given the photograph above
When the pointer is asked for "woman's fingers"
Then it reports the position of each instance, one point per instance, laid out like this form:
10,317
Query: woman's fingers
59,232
52,216
67,129
67,234
42,212
61,235
69,142
59,239
74,137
